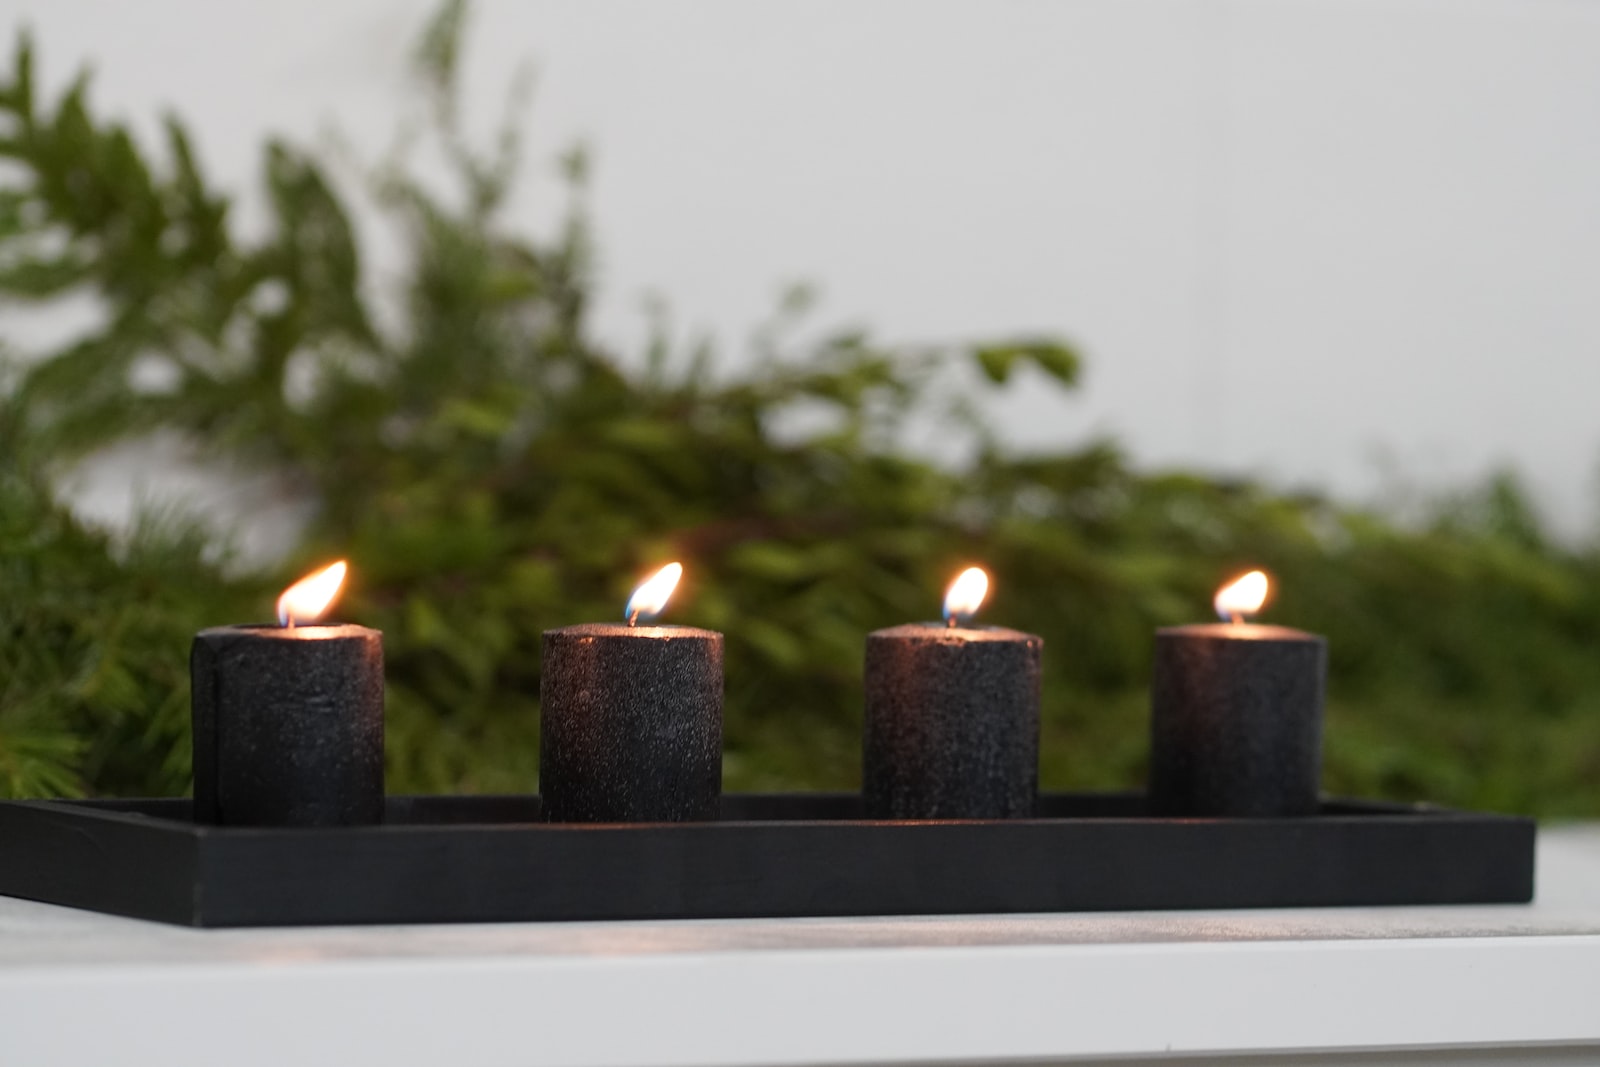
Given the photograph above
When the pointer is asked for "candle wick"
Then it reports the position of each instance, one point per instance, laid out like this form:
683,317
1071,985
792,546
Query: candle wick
950,623
633,619
1238,619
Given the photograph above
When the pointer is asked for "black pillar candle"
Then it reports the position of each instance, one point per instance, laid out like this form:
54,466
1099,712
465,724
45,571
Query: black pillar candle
630,725
1236,716
288,723
952,717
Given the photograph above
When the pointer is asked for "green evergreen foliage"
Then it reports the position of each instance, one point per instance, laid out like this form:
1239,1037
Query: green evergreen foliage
491,472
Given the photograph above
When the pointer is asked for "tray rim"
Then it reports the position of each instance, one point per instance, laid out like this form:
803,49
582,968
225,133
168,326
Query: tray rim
1358,810
1095,852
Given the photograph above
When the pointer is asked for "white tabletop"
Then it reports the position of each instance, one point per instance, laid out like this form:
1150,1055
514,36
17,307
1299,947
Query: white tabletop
81,990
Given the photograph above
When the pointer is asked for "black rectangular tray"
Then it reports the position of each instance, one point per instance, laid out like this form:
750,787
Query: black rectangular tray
490,859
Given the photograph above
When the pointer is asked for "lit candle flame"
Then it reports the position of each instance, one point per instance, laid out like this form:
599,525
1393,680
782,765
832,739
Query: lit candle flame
307,599
651,597
1242,597
965,596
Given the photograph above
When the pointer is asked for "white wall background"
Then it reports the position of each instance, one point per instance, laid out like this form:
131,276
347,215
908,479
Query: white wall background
1294,236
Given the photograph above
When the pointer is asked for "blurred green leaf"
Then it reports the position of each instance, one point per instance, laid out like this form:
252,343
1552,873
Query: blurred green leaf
1053,357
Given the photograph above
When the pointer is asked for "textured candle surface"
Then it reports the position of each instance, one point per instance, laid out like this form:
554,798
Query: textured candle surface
630,725
952,723
288,725
1236,720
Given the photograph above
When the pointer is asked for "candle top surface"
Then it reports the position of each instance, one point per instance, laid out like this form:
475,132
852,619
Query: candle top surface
1239,631
307,632
622,629
943,633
